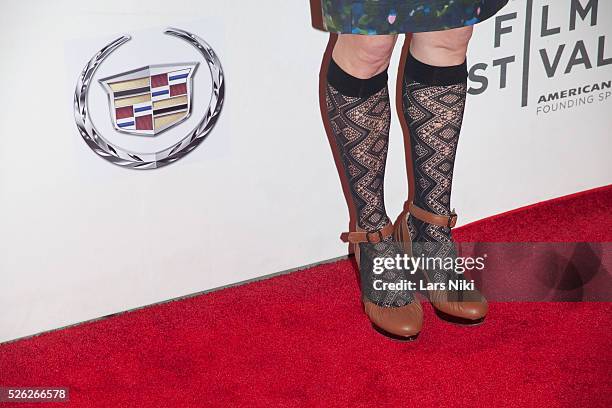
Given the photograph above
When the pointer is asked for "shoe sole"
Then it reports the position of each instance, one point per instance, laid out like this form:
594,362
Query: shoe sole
395,337
460,321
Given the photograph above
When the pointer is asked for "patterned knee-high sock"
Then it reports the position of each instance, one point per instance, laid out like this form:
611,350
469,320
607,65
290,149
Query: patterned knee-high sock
359,112
434,101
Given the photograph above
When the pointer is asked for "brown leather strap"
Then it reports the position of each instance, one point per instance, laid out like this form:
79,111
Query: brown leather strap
431,218
373,237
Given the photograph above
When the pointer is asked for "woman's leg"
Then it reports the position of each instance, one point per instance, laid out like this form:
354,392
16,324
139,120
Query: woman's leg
441,48
434,95
363,56
360,113
435,88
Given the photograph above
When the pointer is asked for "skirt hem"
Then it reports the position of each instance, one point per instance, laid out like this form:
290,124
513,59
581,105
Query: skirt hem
389,21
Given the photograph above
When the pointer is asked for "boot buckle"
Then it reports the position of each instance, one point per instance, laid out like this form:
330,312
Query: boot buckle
378,233
452,219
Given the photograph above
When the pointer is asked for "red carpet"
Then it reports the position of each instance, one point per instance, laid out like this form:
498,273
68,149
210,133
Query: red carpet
296,340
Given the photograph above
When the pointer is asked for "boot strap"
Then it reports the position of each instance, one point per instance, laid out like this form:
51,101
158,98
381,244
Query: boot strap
373,237
431,218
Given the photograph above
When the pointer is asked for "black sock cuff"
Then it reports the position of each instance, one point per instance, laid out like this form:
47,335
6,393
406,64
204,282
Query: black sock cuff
432,75
349,85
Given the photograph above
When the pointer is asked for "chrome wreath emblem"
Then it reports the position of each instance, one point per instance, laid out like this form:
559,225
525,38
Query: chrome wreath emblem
147,101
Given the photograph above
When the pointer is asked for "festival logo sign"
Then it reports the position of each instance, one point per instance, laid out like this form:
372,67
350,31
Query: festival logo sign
559,40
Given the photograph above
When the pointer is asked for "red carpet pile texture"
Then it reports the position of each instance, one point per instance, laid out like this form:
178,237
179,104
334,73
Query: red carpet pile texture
297,340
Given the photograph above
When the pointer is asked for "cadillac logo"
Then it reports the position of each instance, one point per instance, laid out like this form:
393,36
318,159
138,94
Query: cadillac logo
147,101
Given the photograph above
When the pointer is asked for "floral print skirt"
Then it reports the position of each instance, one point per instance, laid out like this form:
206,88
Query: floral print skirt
404,16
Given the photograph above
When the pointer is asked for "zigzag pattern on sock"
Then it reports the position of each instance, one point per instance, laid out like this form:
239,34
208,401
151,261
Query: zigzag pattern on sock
360,126
434,114
361,129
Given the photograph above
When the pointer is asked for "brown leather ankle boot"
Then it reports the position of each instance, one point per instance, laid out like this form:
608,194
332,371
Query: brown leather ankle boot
466,307
395,315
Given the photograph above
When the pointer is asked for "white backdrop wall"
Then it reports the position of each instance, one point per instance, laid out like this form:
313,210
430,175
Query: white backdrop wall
82,238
